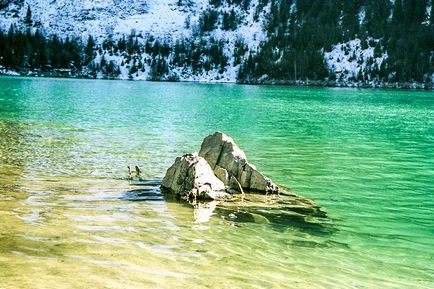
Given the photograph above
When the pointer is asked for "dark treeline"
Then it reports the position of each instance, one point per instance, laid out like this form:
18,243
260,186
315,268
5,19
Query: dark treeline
25,50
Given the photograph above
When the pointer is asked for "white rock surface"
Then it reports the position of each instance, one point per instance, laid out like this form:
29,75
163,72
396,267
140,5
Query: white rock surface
221,152
220,167
191,177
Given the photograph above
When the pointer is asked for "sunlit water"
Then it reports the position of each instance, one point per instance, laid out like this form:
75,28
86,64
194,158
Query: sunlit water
69,218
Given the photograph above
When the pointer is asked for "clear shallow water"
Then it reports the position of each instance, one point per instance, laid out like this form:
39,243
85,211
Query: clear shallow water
69,219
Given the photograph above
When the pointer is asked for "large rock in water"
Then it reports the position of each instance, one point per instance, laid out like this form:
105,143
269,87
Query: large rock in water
219,170
220,167
191,177
228,161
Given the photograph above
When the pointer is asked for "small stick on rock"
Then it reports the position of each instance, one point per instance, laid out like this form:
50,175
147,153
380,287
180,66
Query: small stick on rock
235,184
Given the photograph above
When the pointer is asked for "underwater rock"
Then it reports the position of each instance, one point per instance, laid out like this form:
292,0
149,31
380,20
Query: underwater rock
191,177
221,152
279,211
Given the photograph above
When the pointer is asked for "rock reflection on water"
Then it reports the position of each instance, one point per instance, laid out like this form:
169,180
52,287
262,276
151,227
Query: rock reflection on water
278,211
203,211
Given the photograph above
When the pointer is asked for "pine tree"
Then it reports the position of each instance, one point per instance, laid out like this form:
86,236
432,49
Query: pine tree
89,50
432,13
28,17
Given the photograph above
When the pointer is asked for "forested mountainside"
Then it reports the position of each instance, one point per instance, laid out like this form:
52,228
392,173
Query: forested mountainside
324,42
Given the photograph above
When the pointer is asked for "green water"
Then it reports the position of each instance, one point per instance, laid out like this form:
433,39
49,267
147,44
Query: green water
67,218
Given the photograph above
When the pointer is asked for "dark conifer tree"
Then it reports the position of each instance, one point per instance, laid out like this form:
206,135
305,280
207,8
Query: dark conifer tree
28,18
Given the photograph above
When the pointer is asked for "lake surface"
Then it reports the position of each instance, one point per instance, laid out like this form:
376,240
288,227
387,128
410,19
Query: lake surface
69,218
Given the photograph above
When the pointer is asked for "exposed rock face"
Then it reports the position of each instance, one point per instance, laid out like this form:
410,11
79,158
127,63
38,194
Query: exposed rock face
222,153
191,177
220,167
223,175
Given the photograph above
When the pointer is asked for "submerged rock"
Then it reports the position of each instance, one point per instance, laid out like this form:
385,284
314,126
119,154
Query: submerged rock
221,152
191,177
283,209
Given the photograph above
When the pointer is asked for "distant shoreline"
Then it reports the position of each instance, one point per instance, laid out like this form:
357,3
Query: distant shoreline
349,84
291,83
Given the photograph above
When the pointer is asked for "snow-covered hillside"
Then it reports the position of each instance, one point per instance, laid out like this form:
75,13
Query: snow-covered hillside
220,40
351,61
99,17
167,20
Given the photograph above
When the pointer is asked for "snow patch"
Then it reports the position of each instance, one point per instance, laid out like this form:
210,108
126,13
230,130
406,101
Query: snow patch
428,10
362,16
349,61
4,71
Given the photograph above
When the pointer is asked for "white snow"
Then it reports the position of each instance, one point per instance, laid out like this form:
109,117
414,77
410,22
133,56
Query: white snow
4,71
428,10
348,60
163,18
293,8
362,15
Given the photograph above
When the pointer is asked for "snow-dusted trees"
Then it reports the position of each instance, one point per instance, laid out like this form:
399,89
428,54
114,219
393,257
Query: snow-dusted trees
299,32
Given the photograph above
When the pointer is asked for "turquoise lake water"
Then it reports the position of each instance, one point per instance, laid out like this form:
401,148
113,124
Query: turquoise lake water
69,218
